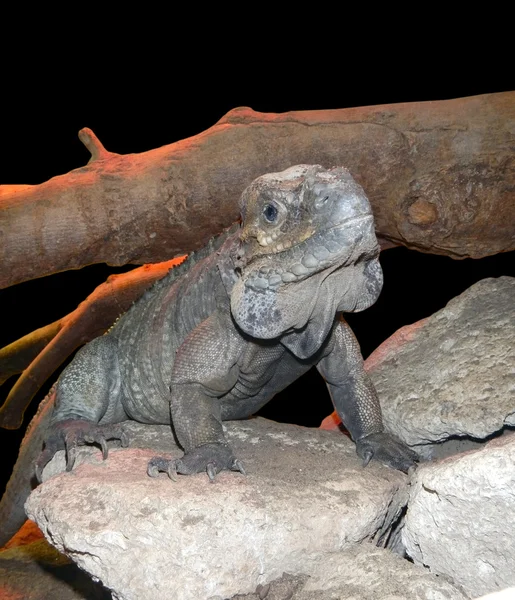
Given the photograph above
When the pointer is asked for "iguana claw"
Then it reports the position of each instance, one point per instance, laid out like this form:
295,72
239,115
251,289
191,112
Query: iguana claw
69,434
367,457
70,456
237,465
44,458
211,471
387,449
160,464
89,439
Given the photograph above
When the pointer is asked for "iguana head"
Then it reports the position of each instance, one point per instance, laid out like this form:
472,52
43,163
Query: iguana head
308,250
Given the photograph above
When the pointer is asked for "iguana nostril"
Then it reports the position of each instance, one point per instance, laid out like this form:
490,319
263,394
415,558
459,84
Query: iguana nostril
322,202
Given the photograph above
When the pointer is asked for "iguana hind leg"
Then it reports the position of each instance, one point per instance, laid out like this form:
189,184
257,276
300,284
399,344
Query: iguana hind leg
205,369
88,404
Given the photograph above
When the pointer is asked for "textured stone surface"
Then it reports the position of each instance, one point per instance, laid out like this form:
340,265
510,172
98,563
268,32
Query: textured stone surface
452,374
362,572
506,594
306,496
368,573
461,517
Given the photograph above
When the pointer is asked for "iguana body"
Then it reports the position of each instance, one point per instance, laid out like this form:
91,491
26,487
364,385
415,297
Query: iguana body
223,333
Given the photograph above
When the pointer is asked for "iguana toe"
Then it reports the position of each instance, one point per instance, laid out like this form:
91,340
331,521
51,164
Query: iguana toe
388,450
160,464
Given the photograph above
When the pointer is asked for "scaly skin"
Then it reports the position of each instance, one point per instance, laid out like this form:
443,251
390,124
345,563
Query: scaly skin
223,333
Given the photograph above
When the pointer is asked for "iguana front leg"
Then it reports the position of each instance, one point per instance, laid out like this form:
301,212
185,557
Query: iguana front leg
205,368
356,402
198,426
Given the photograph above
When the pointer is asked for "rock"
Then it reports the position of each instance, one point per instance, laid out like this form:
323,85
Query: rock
506,594
363,572
461,517
284,588
36,571
446,383
455,376
305,497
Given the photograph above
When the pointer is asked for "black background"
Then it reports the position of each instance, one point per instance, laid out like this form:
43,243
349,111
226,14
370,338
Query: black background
134,102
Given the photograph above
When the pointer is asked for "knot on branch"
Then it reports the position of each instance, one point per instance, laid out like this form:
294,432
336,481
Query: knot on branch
94,145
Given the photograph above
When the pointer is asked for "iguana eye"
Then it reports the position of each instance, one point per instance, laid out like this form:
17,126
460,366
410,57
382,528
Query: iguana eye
270,213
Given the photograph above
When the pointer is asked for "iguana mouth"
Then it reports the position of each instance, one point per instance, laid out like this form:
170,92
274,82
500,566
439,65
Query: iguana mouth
305,259
282,248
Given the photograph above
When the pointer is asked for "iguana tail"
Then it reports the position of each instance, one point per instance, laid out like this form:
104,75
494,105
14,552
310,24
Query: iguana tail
23,478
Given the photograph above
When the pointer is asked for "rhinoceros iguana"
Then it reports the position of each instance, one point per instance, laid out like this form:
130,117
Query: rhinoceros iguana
225,331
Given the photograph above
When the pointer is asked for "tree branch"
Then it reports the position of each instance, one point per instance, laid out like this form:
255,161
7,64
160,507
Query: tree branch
17,356
94,145
440,177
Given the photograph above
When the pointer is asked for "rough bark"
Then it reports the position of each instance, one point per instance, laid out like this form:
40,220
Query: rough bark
440,176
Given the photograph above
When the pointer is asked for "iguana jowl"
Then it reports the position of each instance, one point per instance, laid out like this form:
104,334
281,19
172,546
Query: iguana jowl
220,335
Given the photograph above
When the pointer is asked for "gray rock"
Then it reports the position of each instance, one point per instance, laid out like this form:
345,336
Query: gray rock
362,572
452,375
283,588
367,573
506,594
461,517
306,496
